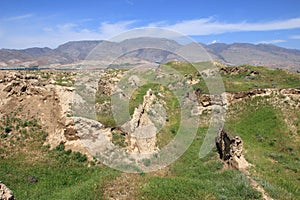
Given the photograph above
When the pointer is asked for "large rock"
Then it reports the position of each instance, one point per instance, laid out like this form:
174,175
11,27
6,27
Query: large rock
142,128
230,150
5,192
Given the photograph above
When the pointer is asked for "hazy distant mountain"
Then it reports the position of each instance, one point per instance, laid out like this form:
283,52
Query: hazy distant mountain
261,54
155,50
76,50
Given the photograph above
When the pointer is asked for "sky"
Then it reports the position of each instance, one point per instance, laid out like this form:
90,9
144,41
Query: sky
42,23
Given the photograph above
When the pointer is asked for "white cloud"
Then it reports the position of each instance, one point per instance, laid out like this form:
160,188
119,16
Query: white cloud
295,37
112,29
19,17
271,41
59,34
157,24
214,41
44,34
52,36
206,26
66,27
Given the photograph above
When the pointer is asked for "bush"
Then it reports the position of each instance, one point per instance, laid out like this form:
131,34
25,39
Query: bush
4,135
60,147
7,129
147,162
79,157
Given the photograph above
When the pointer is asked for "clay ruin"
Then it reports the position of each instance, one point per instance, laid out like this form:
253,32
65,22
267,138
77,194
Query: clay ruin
230,150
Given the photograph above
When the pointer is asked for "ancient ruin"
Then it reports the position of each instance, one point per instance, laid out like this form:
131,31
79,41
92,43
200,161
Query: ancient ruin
141,129
230,150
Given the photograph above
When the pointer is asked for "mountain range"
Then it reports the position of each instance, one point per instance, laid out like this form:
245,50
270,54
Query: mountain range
143,49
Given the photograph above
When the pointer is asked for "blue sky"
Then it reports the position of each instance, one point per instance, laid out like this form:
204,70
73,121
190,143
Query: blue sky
41,23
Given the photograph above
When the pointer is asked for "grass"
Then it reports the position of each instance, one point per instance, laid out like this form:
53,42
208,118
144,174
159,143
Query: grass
118,139
64,79
55,181
269,146
105,115
191,72
60,174
267,78
194,178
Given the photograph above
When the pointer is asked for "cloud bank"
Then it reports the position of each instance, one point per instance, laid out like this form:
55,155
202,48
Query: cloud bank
53,35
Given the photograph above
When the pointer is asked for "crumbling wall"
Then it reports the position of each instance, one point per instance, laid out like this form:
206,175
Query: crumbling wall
230,150
141,129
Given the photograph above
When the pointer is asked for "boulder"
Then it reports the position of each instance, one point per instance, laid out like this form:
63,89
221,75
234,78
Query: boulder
5,192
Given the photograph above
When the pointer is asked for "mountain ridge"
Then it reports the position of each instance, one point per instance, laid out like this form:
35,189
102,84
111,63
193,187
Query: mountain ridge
75,51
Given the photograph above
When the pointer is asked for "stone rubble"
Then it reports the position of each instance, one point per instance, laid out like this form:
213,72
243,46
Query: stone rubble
5,192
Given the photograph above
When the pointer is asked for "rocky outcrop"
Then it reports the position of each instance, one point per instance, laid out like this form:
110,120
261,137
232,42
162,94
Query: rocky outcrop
36,95
105,87
248,94
108,81
141,128
5,192
238,70
230,150
18,84
291,91
206,100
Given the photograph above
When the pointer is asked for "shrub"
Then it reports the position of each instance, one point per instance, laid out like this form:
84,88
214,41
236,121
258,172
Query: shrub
147,162
7,129
79,157
60,147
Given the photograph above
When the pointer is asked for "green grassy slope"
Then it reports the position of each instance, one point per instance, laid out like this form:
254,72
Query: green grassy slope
60,174
270,146
269,143
194,178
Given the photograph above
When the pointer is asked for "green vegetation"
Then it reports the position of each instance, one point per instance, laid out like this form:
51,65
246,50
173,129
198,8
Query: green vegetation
118,138
63,81
172,108
194,178
241,81
104,115
266,78
191,72
269,146
60,173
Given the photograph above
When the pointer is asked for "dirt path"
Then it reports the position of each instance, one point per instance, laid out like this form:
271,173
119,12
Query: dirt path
125,187
257,186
